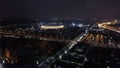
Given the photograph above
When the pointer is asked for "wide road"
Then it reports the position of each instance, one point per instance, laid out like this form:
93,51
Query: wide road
59,54
106,26
14,35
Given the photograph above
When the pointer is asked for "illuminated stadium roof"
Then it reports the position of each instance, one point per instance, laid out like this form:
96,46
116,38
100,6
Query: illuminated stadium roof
52,25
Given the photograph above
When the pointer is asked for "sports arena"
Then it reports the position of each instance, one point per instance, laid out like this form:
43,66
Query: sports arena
52,25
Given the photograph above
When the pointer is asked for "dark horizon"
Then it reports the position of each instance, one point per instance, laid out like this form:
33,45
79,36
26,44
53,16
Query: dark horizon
60,8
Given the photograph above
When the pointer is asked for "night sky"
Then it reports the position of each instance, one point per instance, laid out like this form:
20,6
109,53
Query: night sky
64,8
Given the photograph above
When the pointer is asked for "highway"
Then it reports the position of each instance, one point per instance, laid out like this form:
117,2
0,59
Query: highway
14,35
59,54
106,26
